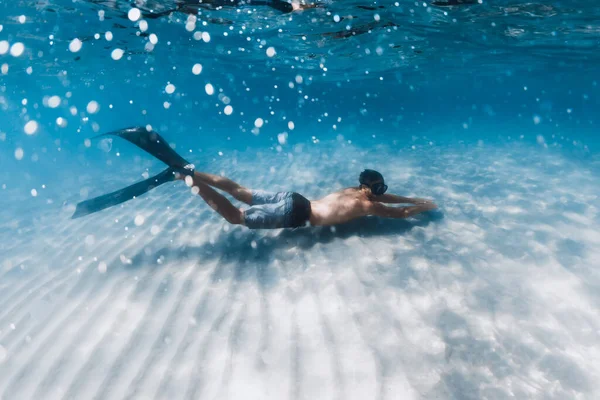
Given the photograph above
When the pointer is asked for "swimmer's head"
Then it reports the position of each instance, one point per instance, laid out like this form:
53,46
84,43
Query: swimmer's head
373,180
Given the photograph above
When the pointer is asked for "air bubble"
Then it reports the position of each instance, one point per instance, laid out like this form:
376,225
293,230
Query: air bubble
31,127
54,101
17,49
102,267
282,138
116,54
139,220
93,107
75,45
60,121
197,69
134,14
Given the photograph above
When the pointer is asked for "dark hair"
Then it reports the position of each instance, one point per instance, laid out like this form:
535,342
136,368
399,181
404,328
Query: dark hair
368,176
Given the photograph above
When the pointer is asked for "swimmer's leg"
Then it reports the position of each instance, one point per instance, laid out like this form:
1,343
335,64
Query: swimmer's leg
236,190
219,203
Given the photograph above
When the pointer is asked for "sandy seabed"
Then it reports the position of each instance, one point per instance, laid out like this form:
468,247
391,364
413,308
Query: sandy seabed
495,296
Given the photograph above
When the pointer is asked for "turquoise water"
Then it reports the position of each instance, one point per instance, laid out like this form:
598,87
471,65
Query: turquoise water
490,109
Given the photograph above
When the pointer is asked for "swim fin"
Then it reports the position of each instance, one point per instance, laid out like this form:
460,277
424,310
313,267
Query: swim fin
112,199
151,142
155,145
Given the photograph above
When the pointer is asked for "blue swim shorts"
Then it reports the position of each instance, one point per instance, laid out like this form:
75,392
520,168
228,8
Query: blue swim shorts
277,210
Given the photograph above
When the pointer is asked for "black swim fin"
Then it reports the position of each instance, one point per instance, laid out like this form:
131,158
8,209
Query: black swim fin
112,199
155,145
151,142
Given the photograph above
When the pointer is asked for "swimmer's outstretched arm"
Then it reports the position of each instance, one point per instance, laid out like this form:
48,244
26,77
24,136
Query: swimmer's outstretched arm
380,210
394,199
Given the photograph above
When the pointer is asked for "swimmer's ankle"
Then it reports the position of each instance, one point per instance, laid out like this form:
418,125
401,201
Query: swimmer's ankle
181,172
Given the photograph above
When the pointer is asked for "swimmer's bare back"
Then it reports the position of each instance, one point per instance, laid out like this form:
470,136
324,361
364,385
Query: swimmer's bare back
352,203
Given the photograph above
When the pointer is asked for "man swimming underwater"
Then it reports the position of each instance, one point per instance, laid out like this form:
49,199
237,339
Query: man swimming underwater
267,210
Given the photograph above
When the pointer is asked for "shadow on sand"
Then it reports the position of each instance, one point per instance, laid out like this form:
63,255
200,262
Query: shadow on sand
247,249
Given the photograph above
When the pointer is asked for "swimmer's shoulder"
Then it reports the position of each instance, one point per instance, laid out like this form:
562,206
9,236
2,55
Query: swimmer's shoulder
349,190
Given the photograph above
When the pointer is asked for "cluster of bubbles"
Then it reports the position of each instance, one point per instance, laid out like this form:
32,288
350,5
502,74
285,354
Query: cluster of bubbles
78,45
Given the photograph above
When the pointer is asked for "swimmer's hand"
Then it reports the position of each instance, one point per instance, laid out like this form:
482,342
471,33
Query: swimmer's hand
418,201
